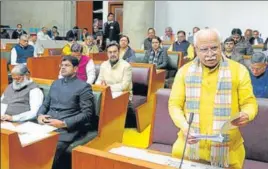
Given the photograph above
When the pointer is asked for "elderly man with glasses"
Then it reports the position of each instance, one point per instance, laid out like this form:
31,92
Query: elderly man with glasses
215,89
22,98
259,75
22,51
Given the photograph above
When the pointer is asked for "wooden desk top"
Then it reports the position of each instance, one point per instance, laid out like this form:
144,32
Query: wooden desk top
83,155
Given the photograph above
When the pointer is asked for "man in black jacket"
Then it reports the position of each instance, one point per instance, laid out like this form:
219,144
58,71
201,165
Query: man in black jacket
69,107
18,32
73,34
111,29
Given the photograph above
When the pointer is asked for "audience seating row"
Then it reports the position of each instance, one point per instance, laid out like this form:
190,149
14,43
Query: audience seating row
255,134
146,81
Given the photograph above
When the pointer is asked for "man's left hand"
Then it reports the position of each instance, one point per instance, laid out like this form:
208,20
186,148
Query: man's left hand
242,120
56,123
6,118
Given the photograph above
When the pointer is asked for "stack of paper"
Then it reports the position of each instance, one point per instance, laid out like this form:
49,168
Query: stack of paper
29,132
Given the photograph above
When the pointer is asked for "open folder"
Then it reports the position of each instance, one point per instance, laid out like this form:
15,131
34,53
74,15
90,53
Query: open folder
29,132
218,137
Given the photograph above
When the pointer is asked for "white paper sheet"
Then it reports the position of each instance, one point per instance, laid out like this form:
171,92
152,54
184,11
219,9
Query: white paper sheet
116,94
145,155
29,132
218,137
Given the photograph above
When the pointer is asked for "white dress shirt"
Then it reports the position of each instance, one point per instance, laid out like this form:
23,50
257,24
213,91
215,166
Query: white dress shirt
90,69
42,36
36,100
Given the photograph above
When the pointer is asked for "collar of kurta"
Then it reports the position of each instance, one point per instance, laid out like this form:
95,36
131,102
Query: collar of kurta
69,79
115,65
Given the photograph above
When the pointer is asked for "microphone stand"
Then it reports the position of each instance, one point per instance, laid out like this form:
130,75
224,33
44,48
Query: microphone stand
190,123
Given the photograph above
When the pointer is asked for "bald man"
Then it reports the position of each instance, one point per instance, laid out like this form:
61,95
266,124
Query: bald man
22,51
215,89
259,74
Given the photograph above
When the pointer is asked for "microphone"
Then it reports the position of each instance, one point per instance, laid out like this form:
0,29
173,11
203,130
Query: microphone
191,117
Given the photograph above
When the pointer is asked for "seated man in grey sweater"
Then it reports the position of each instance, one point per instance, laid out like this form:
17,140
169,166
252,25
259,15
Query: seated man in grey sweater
69,107
22,98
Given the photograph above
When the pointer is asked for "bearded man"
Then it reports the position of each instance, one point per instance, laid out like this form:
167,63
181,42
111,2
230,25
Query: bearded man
22,98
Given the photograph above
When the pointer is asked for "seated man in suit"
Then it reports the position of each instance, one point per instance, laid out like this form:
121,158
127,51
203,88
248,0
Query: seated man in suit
22,51
69,107
242,45
73,33
183,46
257,39
230,53
259,75
22,99
156,55
18,32
117,74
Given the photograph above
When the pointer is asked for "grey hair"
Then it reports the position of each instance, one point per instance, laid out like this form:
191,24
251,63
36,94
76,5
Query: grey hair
197,34
20,69
24,36
169,28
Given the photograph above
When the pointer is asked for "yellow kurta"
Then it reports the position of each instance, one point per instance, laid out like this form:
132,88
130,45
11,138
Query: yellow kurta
66,50
87,51
243,100
190,51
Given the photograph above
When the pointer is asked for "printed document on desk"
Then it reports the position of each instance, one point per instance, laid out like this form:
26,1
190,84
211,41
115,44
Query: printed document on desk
143,154
29,132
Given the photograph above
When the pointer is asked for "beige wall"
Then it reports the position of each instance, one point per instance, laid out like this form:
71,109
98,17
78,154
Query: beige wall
138,17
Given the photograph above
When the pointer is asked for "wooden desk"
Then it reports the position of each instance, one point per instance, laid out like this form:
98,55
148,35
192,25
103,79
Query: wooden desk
4,75
38,155
98,159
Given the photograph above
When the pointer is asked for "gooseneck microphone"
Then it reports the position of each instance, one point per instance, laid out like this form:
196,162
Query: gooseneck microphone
191,117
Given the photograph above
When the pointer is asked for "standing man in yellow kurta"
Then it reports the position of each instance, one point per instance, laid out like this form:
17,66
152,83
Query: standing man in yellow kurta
215,89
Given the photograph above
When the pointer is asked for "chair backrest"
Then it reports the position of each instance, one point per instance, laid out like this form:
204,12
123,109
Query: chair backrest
4,75
255,134
97,97
139,56
102,56
173,61
44,67
6,55
164,130
140,80
55,51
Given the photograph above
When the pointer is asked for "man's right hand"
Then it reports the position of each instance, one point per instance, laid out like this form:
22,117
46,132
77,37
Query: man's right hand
42,119
191,139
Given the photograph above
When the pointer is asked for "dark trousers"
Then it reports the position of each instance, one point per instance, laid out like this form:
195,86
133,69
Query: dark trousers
62,159
131,116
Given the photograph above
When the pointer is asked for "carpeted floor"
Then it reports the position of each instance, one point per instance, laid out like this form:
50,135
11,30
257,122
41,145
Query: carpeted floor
133,138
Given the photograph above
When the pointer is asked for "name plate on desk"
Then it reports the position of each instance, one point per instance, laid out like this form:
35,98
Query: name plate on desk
143,154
